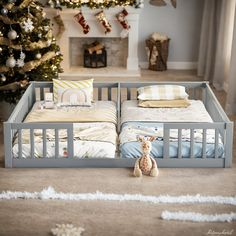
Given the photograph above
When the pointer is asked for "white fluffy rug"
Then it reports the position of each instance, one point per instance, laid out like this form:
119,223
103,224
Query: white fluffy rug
198,217
66,230
50,194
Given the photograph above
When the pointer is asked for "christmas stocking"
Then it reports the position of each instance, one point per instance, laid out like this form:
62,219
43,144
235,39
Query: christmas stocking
80,19
124,23
103,20
61,26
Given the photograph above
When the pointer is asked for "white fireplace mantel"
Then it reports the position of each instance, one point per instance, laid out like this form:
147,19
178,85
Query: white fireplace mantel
74,30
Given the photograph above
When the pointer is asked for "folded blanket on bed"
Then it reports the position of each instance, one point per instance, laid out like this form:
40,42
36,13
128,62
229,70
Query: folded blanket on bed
100,111
131,132
102,132
196,112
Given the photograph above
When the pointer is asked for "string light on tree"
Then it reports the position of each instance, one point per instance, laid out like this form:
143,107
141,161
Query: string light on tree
38,56
3,78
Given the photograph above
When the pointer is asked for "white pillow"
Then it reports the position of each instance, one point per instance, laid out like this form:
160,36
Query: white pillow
162,92
79,93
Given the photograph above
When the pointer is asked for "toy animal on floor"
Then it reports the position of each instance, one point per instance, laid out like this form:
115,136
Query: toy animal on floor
146,164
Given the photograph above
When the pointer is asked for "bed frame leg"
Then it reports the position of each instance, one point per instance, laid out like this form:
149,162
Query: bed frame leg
8,145
229,144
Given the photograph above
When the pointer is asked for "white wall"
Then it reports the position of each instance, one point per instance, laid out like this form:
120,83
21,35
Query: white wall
182,25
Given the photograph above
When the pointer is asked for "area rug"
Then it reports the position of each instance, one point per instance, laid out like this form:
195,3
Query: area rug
50,194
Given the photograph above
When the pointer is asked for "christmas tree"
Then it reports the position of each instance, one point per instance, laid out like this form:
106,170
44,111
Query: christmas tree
28,50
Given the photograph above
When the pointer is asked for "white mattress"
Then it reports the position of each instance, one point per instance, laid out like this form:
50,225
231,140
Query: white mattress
196,112
94,131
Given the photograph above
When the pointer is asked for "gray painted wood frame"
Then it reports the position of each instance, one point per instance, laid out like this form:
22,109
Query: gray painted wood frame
36,91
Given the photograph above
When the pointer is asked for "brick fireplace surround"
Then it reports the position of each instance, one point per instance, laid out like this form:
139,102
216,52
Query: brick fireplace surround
74,30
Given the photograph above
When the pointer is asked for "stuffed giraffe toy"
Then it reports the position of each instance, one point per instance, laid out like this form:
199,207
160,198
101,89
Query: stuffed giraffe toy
146,164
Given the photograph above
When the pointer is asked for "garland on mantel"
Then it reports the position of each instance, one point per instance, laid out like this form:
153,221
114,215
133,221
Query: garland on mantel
94,4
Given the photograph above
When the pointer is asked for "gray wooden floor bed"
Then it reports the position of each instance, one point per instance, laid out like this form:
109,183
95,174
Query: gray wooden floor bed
117,92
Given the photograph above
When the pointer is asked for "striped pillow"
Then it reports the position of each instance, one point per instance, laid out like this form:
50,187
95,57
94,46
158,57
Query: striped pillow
79,93
162,92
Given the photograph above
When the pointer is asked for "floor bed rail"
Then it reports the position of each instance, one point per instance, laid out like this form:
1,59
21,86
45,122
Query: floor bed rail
220,138
20,129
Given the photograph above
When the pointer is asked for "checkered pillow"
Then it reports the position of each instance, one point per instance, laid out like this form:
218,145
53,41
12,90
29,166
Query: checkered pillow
162,92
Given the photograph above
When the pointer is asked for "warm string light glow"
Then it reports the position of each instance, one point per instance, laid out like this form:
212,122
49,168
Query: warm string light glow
95,4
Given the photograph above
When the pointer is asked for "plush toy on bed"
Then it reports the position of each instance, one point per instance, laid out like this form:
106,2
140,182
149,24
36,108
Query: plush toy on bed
146,164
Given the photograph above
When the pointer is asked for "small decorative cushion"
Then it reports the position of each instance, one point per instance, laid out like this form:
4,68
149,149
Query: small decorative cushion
76,93
164,103
162,92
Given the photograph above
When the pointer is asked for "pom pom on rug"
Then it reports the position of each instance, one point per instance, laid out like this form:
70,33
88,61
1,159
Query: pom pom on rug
67,230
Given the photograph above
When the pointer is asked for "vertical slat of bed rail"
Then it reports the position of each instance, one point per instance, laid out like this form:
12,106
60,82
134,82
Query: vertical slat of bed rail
229,126
32,143
166,141
99,93
70,142
118,106
128,94
109,94
216,143
8,145
204,133
179,143
194,93
44,143
20,143
56,143
191,143
41,93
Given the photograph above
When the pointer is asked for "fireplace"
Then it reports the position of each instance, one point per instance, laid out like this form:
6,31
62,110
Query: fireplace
117,50
128,65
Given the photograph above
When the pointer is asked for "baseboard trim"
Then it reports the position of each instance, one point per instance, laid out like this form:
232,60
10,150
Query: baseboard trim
174,65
